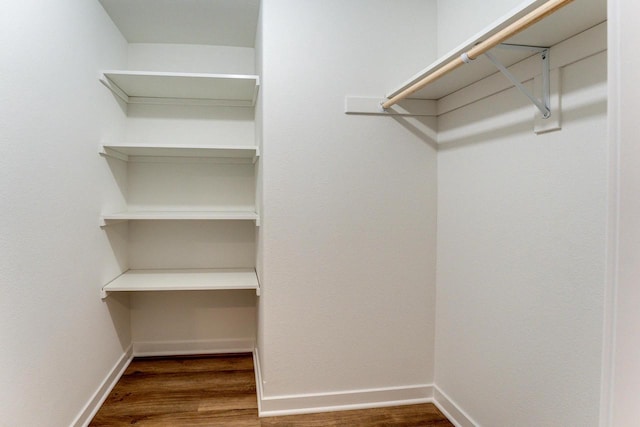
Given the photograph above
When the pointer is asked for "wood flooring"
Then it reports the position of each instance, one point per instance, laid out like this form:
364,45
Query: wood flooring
221,391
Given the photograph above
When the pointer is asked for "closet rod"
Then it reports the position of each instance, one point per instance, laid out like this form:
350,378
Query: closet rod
521,24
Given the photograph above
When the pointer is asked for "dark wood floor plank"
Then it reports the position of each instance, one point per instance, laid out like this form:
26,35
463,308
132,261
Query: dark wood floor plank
204,381
246,401
161,365
238,418
425,415
220,391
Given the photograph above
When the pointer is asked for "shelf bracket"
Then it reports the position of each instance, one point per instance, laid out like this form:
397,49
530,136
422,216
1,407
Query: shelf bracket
103,291
105,223
114,88
544,103
108,152
259,288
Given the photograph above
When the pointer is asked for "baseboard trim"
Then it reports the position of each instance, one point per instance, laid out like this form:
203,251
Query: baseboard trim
91,408
451,410
340,401
186,348
343,401
258,374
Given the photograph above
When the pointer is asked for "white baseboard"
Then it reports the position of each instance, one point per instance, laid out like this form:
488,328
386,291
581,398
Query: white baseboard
451,410
185,348
338,401
358,399
343,401
91,408
258,373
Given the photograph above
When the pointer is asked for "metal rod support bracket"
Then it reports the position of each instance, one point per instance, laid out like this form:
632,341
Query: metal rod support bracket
543,104
465,58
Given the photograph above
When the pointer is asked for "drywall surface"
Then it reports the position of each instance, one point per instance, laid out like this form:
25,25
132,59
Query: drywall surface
625,103
59,339
194,58
192,322
348,201
460,19
170,124
189,125
521,256
196,322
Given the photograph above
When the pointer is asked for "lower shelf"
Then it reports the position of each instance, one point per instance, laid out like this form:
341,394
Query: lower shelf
184,280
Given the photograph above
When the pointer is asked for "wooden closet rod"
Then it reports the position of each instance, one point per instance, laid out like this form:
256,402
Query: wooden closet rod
521,24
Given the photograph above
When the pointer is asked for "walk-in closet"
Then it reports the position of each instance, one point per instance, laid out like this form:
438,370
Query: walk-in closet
429,205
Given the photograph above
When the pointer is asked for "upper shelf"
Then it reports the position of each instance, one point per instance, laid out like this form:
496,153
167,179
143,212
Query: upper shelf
150,87
572,19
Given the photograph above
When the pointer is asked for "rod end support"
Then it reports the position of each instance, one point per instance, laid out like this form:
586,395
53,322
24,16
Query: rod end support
465,58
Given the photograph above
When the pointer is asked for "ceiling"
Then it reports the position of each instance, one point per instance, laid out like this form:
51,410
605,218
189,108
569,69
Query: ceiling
212,22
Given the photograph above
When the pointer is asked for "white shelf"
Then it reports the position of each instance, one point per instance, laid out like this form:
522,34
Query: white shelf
572,19
184,280
126,152
150,87
179,216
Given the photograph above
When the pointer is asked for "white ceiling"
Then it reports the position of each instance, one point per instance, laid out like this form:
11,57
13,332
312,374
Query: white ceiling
213,22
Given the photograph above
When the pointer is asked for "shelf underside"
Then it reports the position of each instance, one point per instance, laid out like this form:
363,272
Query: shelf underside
573,19
184,280
180,216
124,152
158,87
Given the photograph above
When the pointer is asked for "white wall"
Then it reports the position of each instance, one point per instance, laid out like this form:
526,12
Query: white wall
349,201
521,256
195,58
623,387
458,20
59,339
169,124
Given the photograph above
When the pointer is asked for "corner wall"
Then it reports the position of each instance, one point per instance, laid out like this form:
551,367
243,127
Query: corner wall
521,255
622,376
348,238
59,339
